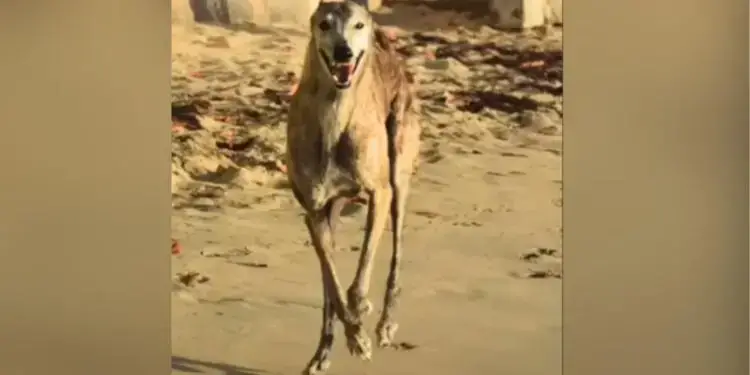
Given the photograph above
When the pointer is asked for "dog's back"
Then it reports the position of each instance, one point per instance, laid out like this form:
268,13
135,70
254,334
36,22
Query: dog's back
398,84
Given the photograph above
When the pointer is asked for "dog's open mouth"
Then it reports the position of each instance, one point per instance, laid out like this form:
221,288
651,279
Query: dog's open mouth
342,72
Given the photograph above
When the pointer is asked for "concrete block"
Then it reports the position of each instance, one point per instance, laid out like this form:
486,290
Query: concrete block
259,12
522,14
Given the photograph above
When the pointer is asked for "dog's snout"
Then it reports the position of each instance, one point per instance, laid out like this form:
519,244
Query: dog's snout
342,53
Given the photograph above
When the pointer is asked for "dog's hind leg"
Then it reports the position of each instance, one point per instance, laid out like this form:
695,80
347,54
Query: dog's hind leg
387,326
377,216
401,168
319,225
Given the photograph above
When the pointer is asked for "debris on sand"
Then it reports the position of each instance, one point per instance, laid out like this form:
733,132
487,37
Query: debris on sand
539,253
245,251
547,264
544,274
176,248
403,346
252,264
191,278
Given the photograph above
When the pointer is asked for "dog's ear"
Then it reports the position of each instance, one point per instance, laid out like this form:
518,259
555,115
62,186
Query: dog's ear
382,39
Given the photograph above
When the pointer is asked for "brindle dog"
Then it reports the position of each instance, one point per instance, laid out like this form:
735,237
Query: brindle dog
352,132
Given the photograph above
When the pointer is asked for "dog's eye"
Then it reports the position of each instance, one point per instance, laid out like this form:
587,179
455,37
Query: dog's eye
359,25
324,26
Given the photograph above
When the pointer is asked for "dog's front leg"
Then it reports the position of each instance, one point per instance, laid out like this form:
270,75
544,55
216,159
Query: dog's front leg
319,225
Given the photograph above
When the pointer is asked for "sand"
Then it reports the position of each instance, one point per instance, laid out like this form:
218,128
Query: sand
482,264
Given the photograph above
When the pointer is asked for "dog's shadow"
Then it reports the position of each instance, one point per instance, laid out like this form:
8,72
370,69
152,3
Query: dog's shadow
193,366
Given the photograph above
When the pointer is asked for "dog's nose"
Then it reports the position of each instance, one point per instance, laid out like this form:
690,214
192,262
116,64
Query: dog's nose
342,53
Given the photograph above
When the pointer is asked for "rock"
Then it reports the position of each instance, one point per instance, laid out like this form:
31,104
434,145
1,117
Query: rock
205,203
200,165
539,122
532,119
439,64
206,190
218,41
210,124
246,178
543,98
179,179
216,169
450,65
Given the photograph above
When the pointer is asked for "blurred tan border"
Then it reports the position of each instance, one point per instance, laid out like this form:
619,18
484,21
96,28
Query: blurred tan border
656,179
85,199
656,188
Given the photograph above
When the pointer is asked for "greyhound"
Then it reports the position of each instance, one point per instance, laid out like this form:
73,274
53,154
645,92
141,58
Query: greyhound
352,133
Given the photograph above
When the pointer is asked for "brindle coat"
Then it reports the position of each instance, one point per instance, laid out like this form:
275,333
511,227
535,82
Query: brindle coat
343,143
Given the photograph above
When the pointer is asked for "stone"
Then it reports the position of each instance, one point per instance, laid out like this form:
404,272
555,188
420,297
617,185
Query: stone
544,123
534,120
451,65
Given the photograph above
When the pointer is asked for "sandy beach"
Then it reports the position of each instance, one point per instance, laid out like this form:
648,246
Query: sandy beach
482,274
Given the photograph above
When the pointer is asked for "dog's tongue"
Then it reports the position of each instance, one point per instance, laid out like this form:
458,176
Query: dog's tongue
343,72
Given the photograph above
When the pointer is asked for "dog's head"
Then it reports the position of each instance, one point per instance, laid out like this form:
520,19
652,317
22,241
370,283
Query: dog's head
342,34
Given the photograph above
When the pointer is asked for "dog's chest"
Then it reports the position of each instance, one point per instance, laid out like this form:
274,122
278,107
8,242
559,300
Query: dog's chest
350,139
345,162
345,154
352,165
345,151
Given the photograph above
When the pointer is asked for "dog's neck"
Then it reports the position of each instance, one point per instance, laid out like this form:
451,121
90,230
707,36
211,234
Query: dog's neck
333,107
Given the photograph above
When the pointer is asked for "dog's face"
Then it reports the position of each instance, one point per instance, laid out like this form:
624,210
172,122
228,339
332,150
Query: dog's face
342,32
